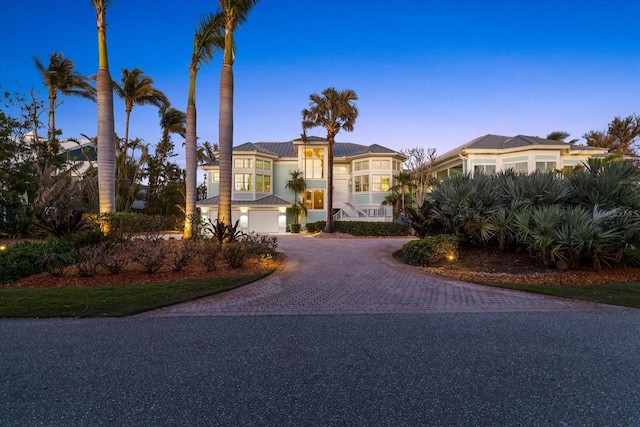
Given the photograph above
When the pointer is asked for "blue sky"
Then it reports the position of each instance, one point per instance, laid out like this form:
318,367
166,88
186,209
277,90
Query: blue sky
428,73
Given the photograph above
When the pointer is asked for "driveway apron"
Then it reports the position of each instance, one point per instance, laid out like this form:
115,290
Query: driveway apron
360,276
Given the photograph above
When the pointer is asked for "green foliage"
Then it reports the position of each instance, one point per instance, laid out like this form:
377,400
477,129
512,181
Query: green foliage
223,232
261,246
381,229
124,226
431,250
24,259
315,227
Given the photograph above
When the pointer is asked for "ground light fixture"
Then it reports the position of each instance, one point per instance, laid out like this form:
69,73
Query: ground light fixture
451,257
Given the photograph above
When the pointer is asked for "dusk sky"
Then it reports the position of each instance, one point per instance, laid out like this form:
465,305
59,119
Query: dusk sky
427,73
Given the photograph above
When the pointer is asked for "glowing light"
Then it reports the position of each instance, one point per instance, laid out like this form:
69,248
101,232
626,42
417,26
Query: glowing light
3,248
451,257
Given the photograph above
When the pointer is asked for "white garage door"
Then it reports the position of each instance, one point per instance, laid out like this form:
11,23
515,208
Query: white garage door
263,221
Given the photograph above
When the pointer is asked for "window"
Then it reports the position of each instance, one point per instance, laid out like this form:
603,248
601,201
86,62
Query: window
314,199
243,182
340,170
263,164
380,164
313,163
517,167
484,169
215,176
242,163
362,165
397,165
380,182
545,166
362,183
263,183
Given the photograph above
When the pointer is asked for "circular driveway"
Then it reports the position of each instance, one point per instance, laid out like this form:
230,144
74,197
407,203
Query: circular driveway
360,276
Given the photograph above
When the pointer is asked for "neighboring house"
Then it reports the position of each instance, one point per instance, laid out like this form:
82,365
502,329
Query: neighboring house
80,154
527,154
362,178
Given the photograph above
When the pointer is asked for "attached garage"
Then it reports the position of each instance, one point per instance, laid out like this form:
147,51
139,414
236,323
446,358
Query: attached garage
263,221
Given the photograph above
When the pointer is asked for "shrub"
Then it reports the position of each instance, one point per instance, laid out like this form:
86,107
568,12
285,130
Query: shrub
88,259
208,252
430,250
25,259
180,253
261,246
361,228
235,254
223,232
116,258
150,254
315,227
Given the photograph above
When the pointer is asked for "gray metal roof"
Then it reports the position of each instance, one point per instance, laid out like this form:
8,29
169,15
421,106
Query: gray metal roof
499,142
270,200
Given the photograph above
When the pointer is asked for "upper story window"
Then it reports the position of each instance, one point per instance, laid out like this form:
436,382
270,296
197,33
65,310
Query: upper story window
243,182
380,182
380,164
545,166
361,165
361,183
263,164
242,163
263,183
397,166
340,170
313,163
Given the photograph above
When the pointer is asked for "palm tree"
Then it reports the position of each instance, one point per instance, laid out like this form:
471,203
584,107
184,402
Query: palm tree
173,120
106,133
208,37
234,13
207,153
60,77
335,111
296,184
137,89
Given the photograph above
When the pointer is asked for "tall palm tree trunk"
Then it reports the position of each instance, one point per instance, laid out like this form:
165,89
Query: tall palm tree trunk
225,140
106,130
52,114
192,162
328,228
106,143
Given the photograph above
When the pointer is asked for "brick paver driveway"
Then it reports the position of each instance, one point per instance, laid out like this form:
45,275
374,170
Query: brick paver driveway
360,276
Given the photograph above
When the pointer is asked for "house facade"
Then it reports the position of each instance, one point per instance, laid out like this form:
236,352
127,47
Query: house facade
525,154
362,178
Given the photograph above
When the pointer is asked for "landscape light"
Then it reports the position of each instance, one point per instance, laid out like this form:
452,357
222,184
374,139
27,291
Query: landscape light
451,257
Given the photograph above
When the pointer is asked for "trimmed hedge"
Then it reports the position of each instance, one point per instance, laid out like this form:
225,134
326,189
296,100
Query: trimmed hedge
25,259
430,250
362,228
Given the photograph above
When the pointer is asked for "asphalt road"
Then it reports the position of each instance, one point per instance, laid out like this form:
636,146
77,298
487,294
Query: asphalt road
531,369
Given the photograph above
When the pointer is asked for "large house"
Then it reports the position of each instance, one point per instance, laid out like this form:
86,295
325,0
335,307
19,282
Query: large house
493,153
362,178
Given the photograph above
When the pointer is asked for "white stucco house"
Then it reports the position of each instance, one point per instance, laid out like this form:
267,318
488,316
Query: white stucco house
362,178
494,153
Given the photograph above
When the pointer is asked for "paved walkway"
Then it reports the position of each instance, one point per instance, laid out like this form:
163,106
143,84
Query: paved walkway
360,276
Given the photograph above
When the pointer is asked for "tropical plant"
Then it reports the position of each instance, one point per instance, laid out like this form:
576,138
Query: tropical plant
297,184
622,136
234,12
174,121
60,78
106,133
137,89
335,111
208,37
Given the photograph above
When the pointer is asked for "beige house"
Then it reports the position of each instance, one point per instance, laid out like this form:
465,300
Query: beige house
527,154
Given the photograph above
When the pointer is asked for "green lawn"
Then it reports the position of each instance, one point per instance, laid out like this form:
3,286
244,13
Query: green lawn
109,301
625,294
